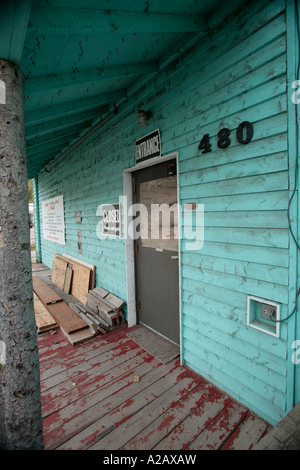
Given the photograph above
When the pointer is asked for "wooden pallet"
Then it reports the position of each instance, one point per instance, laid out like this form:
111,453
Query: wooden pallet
96,324
107,305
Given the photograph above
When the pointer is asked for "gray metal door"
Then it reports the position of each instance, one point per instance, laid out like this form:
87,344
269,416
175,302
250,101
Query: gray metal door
156,258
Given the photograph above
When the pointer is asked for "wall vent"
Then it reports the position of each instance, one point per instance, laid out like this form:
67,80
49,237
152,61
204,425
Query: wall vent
262,315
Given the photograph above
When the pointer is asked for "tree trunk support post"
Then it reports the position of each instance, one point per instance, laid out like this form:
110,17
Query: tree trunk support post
20,398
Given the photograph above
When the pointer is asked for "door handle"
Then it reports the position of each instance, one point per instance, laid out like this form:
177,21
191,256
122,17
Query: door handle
174,257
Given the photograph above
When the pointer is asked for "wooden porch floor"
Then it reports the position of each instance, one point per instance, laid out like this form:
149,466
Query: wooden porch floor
90,401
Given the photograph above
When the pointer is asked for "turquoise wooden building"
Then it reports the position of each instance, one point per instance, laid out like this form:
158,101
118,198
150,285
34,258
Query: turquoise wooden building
218,84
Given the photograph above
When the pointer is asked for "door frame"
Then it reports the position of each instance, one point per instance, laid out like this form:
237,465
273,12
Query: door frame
129,244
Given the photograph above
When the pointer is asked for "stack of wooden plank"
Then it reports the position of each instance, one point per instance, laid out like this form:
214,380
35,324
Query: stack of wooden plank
106,305
95,322
43,319
75,328
96,312
73,276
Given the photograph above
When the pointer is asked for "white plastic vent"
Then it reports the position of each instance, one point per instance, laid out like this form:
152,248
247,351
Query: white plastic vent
263,314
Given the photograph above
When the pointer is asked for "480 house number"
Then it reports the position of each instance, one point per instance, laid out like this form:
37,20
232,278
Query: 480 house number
244,135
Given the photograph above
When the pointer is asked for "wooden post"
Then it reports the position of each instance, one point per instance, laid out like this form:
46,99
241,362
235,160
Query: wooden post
20,401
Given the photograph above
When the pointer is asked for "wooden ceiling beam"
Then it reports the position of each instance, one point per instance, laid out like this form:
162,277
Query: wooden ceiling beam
32,141
56,146
37,162
14,17
51,141
95,75
51,127
47,20
40,116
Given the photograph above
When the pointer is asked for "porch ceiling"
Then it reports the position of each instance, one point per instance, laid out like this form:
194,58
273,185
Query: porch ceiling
80,57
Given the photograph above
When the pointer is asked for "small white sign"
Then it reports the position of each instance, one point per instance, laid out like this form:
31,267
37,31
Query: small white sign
111,221
53,220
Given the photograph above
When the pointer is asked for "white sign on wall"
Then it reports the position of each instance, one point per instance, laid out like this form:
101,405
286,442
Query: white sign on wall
111,214
53,220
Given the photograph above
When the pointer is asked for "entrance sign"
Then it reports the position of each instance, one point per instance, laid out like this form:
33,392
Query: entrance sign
53,220
147,147
111,222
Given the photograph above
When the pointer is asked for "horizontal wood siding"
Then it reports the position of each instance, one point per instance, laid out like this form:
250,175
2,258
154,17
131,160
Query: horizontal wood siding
236,73
86,180
244,189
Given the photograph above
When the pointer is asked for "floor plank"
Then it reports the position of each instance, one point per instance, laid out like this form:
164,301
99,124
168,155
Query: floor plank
80,414
220,428
128,402
194,423
156,431
251,429
92,400
133,416
136,365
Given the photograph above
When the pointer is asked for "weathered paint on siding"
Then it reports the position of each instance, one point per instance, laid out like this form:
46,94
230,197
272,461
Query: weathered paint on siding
293,356
246,235
238,73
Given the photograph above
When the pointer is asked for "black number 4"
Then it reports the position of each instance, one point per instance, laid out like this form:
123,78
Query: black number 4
204,144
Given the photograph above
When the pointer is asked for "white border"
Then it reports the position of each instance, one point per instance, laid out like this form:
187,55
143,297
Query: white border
268,302
129,244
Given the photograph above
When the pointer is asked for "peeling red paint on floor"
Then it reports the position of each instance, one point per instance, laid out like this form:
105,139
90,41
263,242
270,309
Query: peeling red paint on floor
90,400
